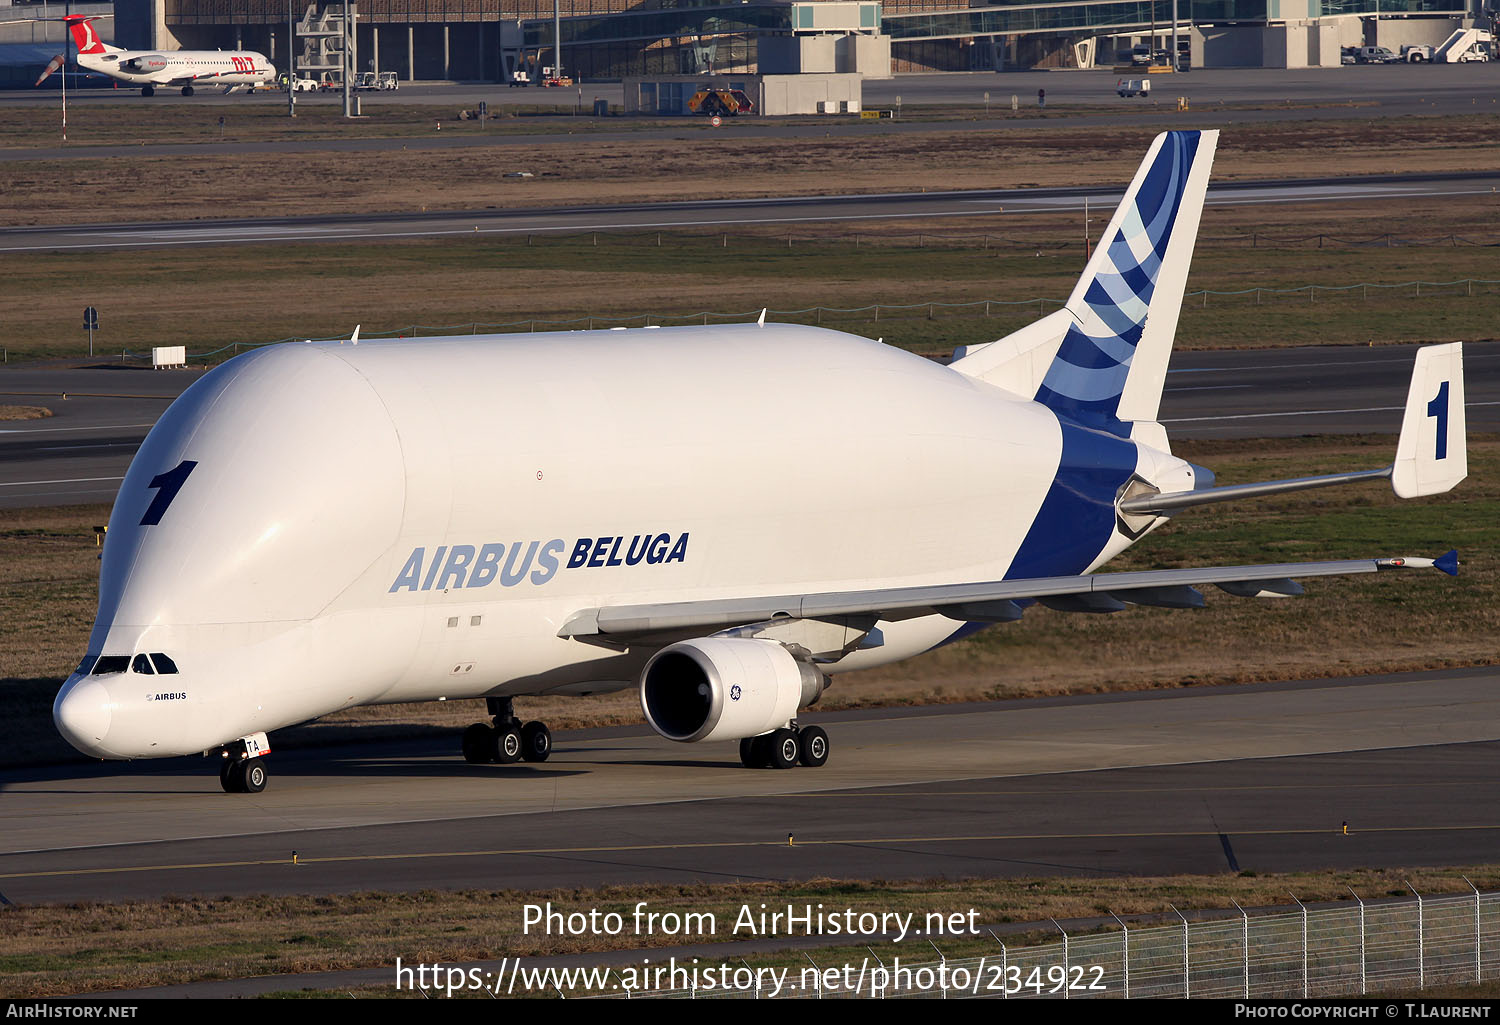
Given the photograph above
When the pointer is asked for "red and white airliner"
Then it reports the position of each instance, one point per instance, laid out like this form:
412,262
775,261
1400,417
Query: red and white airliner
149,69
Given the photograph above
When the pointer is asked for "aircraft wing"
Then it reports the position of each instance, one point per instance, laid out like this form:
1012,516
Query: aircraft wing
994,601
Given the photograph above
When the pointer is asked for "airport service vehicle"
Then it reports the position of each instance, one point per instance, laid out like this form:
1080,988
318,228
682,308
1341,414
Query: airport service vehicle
1133,87
1375,55
382,81
720,517
301,85
1464,46
180,68
1414,54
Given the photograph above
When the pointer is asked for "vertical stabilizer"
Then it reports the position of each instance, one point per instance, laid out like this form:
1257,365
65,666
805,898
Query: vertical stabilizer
85,38
1112,360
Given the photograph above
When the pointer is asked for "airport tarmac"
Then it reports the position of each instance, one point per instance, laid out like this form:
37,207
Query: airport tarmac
1214,98
1394,88
994,204
1247,778
80,454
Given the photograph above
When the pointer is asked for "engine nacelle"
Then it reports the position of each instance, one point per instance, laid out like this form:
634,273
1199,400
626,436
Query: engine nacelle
725,688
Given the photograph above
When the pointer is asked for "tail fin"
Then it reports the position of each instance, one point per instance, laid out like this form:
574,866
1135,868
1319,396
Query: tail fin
84,36
1103,359
1432,455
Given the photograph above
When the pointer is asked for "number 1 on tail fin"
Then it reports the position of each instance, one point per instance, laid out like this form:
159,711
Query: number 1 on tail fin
1432,455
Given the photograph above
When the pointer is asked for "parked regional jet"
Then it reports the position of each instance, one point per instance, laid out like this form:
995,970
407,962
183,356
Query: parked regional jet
721,517
149,69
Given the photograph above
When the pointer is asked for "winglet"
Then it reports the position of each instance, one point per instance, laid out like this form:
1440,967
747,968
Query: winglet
1432,455
761,320
354,338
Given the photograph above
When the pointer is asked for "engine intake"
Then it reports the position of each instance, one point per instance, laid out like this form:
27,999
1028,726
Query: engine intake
725,688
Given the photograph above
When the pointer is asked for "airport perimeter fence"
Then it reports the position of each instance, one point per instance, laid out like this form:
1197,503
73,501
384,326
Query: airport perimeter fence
873,314
1357,948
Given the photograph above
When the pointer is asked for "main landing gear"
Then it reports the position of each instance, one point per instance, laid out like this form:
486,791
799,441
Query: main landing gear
507,740
785,748
242,769
147,90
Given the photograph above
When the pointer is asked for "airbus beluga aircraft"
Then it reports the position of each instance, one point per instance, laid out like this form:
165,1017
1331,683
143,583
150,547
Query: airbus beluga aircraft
721,517
150,69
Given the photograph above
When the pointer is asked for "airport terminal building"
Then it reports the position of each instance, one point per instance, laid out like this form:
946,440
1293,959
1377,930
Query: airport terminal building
485,40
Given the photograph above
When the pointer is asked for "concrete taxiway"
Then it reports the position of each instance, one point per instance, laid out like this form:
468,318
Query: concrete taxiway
81,453
717,214
1206,780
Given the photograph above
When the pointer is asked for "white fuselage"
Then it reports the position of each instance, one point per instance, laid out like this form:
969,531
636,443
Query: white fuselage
406,520
182,67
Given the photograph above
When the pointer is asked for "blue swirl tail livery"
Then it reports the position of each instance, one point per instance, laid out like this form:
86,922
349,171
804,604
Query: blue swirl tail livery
1102,359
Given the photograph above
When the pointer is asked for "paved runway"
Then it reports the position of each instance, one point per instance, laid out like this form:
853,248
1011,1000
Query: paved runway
991,203
81,453
1233,778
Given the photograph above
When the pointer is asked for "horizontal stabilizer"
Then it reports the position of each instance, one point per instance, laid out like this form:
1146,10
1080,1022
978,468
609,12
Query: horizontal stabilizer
1431,455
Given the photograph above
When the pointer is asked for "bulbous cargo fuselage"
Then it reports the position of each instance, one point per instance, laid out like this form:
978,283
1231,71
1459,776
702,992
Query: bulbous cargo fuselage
316,526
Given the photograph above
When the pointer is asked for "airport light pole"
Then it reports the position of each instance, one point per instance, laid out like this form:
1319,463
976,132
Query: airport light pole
67,36
557,38
291,58
344,48
1176,61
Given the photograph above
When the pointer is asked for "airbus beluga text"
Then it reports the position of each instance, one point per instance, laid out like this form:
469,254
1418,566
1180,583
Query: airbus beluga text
149,69
721,517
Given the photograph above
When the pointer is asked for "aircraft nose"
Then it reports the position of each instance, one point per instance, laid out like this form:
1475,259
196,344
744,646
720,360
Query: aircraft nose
82,715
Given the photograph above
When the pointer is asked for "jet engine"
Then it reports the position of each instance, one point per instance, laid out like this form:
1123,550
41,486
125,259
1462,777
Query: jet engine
725,688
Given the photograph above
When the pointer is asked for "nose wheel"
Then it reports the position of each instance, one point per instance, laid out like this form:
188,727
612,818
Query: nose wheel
505,740
242,769
246,776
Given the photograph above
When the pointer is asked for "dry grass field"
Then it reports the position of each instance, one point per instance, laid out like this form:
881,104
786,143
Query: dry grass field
695,162
217,297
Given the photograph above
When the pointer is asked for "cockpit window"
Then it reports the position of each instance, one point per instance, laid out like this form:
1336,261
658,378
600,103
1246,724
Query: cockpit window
142,664
85,665
164,664
111,664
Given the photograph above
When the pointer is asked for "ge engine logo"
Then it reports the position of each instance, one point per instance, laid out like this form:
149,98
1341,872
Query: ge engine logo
734,693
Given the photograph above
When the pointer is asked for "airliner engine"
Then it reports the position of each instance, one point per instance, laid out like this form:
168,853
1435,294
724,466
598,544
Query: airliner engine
719,688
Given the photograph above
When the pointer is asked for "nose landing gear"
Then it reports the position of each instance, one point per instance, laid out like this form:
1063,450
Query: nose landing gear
507,740
242,769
